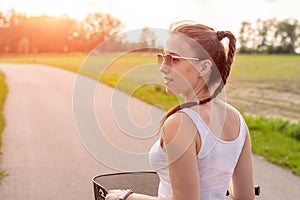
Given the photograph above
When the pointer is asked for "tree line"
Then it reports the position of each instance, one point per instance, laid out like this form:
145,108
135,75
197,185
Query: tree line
270,36
20,33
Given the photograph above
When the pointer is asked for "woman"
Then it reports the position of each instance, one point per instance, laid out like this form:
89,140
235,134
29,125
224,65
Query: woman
205,147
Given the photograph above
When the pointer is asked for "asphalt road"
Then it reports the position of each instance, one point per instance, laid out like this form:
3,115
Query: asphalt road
49,152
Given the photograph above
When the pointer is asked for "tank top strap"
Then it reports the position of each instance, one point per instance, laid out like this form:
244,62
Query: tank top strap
198,121
208,140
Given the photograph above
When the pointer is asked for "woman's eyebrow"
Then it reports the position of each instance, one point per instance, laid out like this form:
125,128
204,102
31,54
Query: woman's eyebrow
172,53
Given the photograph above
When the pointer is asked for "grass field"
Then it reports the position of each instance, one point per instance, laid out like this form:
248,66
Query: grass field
3,92
264,88
266,85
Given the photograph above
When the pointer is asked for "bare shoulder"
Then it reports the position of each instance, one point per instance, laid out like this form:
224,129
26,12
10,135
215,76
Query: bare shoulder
172,125
174,120
177,124
177,121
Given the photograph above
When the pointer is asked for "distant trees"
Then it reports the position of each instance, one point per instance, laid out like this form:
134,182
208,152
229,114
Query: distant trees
144,40
270,36
20,33
37,34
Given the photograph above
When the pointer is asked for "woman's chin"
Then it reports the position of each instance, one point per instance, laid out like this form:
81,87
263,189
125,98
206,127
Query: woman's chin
169,91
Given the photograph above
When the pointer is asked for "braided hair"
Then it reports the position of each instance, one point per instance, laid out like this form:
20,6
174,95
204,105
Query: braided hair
210,41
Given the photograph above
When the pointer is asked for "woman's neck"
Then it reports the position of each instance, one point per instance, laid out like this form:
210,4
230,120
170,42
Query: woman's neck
197,96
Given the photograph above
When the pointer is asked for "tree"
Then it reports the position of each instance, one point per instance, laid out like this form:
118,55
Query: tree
244,37
10,34
270,36
147,37
265,30
287,32
99,27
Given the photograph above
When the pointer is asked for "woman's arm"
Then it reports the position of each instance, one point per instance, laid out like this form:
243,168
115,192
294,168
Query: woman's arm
179,138
242,186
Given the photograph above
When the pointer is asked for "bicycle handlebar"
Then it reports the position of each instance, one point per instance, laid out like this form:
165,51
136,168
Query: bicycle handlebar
256,191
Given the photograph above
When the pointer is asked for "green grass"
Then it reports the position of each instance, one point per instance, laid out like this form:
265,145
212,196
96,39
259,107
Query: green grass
276,139
69,62
3,92
261,86
266,84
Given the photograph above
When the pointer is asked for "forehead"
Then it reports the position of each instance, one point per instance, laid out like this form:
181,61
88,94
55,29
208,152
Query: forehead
178,44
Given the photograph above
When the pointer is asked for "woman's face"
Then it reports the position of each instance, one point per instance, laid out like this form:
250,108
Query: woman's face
180,75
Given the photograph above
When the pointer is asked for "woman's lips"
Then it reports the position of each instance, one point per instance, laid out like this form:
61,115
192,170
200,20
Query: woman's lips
167,80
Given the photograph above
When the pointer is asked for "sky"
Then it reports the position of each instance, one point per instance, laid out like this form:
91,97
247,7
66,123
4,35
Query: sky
136,14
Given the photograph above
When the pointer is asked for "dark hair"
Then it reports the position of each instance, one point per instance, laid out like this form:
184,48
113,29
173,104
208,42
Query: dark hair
210,41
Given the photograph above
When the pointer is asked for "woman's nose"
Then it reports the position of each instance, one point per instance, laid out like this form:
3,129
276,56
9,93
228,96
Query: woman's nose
164,68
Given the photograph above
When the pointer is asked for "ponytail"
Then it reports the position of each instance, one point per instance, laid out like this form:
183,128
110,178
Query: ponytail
229,60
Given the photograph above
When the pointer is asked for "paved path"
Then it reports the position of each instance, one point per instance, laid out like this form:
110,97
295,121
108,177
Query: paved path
43,155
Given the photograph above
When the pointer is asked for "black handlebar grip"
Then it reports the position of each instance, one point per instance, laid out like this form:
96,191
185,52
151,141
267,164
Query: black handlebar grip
256,191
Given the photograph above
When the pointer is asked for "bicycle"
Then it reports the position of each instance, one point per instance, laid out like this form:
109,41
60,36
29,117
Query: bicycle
144,182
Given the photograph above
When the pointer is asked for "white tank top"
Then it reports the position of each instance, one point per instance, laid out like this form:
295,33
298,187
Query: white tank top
216,160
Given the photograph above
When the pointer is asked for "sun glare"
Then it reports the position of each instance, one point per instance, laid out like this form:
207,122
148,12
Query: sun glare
56,8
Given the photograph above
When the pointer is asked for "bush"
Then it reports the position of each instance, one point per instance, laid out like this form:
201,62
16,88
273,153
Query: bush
296,132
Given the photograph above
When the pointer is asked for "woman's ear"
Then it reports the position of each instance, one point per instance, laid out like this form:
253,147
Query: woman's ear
204,67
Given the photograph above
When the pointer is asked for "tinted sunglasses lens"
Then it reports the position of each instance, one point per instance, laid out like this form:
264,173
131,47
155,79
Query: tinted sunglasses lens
168,58
160,58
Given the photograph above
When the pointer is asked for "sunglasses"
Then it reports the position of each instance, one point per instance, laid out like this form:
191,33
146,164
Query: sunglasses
170,59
